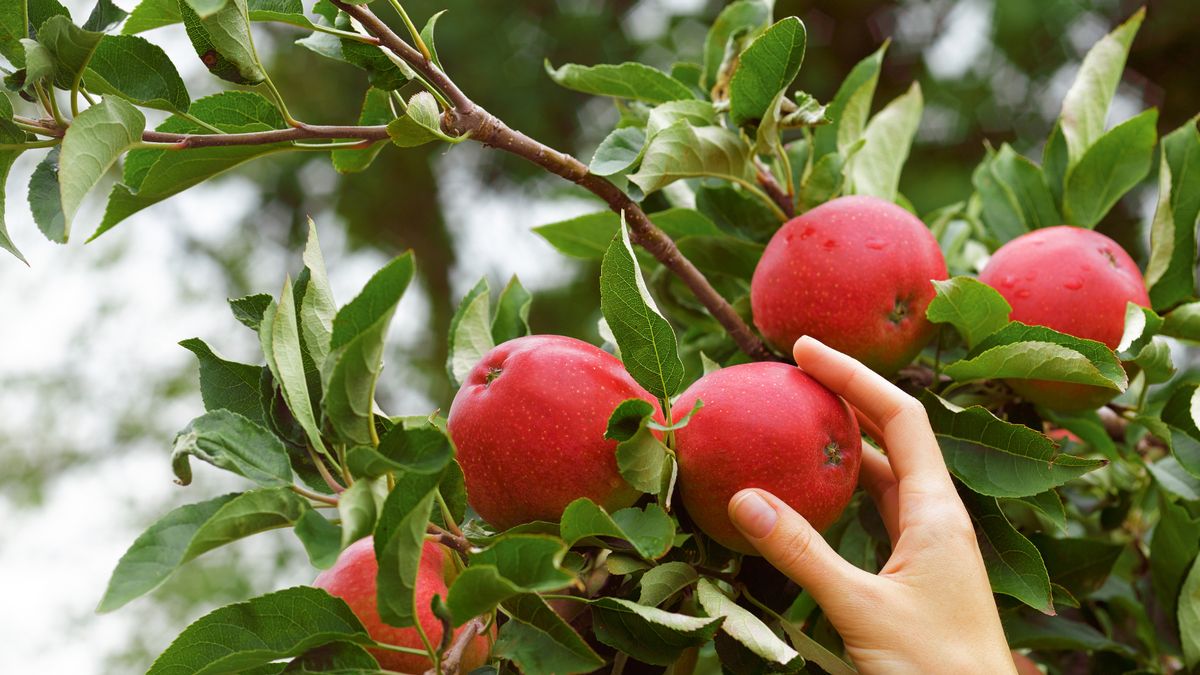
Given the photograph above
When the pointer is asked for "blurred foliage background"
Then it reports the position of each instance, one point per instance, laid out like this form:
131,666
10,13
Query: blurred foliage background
87,415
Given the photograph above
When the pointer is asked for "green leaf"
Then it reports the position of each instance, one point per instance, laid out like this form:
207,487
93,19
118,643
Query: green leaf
514,564
45,199
1112,166
227,385
747,629
975,309
138,71
249,309
104,15
96,138
538,641
642,459
1085,106
1042,632
1171,274
261,630
764,69
875,169
317,308
223,41
650,531
647,342
850,107
1173,478
157,552
587,236
1182,413
421,123
620,150
1049,504
1079,565
151,176
512,312
356,352
1014,565
14,27
684,151
322,539
649,634
1173,549
628,80
151,14
40,65
376,109
71,47
660,583
382,72
399,541
358,507
1014,195
423,449
279,336
470,334
742,16
998,458
722,254
232,442
1019,351
193,529
335,658
1189,617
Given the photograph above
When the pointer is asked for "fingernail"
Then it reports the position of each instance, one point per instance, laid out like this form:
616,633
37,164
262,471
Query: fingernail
753,514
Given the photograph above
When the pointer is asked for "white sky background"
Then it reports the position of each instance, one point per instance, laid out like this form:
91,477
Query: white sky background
105,318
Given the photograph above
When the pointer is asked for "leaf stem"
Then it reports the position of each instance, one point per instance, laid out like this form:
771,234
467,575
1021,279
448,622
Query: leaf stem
447,517
619,663
277,99
348,35
197,121
324,471
398,648
32,145
557,596
51,105
315,496
412,30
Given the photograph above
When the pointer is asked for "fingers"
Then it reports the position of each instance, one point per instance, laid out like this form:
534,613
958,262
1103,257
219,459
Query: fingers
912,449
876,477
791,544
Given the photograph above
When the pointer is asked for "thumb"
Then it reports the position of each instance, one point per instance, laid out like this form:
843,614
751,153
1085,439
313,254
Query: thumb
790,543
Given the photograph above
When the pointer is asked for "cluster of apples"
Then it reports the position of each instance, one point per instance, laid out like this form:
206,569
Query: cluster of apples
855,273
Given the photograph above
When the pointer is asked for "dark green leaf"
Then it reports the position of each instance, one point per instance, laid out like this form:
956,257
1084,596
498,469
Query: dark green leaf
649,634
14,27
1078,565
1014,195
650,531
512,312
538,641
1047,503
975,309
357,507
1189,617
376,109
104,15
45,199
322,539
722,254
766,68
417,450
232,442
1013,563
641,456
1041,632
137,70
514,564
619,151
223,42
336,658
748,630
627,80
1171,272
1118,160
261,630
647,342
587,236
850,107
71,47
151,176
998,458
249,309
660,583
742,16
399,540
226,384
356,352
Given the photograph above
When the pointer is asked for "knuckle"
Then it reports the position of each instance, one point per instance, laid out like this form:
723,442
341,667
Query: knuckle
793,548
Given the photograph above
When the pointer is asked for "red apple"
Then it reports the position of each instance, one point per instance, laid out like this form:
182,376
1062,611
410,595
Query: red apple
1075,281
529,426
855,274
769,426
352,578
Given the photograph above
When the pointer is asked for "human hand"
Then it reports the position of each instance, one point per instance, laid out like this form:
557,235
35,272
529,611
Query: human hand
930,609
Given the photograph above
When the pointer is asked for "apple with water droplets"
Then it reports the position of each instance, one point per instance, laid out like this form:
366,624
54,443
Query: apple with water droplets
765,425
1076,281
855,273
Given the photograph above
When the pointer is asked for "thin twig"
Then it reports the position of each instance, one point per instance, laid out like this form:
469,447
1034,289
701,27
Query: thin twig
324,471
773,189
452,661
457,542
467,118
304,132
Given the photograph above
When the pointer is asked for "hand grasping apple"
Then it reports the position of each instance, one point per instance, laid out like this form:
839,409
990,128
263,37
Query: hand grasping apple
930,609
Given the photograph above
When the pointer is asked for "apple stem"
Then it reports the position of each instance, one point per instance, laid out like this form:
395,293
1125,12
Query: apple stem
455,541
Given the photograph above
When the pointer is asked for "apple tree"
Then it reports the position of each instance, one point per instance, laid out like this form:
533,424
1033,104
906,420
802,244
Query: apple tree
1073,438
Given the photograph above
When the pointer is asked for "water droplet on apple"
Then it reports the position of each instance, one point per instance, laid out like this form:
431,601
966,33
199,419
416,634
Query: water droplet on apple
1073,284
876,244
1009,281
1024,293
808,232
829,244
